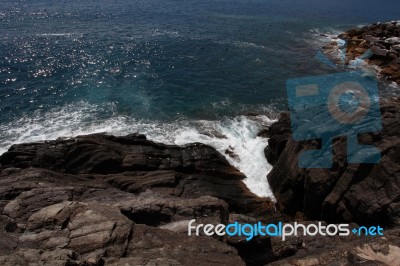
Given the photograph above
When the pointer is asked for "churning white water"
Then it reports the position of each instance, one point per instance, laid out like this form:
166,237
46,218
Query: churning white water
236,135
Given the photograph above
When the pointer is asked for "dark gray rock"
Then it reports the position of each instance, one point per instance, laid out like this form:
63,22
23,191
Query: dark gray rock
99,199
135,164
361,193
382,251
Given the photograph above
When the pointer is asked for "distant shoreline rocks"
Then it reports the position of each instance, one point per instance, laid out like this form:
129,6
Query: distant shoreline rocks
377,44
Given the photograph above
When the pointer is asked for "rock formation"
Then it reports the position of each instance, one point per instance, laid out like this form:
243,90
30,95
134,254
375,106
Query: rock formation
101,199
106,200
383,42
367,194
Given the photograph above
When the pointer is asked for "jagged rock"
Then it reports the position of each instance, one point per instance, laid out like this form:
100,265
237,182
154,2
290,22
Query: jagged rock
103,154
135,164
362,193
156,211
21,208
102,199
88,229
392,40
382,39
376,50
278,135
162,246
57,257
147,208
78,233
264,133
395,47
364,251
371,38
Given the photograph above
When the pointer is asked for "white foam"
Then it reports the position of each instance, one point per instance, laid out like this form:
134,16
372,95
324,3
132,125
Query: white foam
237,135
55,34
242,44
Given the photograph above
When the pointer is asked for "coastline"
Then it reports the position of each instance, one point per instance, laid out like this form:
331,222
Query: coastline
376,45
140,195
147,192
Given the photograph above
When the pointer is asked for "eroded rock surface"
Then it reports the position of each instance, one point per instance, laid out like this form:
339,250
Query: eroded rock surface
100,199
367,194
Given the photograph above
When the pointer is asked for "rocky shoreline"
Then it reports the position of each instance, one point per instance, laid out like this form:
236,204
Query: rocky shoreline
101,199
107,200
361,194
379,43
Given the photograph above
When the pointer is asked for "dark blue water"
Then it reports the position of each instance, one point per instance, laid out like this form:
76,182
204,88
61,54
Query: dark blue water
160,59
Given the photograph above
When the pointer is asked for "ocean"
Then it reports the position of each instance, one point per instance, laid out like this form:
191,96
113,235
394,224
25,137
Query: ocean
178,71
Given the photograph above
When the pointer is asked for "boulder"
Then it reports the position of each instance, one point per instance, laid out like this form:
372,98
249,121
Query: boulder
395,48
376,50
90,230
392,40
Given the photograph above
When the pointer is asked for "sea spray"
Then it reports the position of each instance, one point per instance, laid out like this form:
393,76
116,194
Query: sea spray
236,138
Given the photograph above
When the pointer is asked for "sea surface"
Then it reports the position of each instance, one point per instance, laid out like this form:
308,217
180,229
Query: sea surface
179,71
